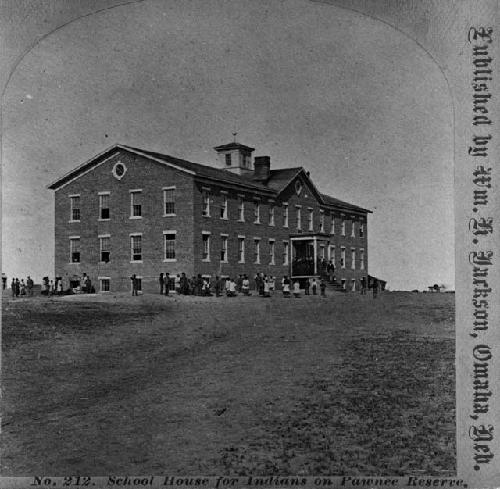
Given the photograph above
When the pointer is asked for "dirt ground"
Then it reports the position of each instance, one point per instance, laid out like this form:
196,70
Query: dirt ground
100,385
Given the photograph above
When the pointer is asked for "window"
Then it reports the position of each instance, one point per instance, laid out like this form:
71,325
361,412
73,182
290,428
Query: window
322,252
104,206
342,230
285,215
256,250
285,252
256,212
321,221
74,249
299,217
332,228
223,207
206,203
228,159
362,259
169,238
135,247
169,201
135,204
342,281
353,284
353,229
223,248
241,209
271,214
104,247
361,230
241,249
206,246
104,284
75,208
353,258
342,257
271,251
310,220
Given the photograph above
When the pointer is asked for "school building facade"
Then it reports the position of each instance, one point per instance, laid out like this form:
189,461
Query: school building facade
130,211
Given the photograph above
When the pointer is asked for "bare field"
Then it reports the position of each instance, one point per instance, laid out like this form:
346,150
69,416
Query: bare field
99,385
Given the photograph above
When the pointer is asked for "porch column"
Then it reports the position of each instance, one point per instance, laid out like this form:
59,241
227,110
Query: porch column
315,256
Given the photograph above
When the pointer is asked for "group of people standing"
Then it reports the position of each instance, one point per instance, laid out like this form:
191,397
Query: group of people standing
22,288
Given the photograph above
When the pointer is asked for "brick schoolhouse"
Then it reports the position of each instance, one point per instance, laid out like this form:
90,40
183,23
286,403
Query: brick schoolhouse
131,211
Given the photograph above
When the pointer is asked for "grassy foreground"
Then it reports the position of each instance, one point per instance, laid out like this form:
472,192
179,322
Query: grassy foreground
185,385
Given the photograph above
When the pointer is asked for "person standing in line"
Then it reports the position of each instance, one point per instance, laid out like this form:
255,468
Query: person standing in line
331,271
245,286
322,287
286,286
296,289
29,285
314,286
266,292
133,278
23,287
231,290
177,283
13,287
375,288
18,287
307,285
60,289
167,283
161,282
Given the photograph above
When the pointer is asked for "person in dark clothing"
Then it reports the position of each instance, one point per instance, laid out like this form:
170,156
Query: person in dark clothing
306,287
184,283
133,278
167,283
161,282
375,288
331,271
18,287
322,287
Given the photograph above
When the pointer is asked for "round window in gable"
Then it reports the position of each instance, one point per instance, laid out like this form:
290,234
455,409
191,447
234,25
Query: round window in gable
298,187
119,169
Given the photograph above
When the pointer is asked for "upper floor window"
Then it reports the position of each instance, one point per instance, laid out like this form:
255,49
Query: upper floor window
228,159
332,225
285,215
105,247
353,228
136,247
169,238
310,220
169,201
75,208
135,204
241,209
104,205
256,213
74,249
353,258
321,221
299,217
361,230
362,259
206,203
271,214
223,207
342,230
342,257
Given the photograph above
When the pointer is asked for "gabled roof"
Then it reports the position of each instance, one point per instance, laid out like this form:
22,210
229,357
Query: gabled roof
332,201
277,182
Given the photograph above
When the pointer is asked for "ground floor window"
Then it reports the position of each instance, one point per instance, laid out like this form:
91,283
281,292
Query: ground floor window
353,284
104,245
343,283
74,249
104,284
205,256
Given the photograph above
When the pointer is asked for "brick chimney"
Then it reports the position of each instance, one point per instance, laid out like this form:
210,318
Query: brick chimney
262,168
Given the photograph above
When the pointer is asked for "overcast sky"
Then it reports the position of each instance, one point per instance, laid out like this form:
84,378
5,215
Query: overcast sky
350,99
